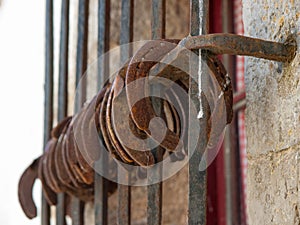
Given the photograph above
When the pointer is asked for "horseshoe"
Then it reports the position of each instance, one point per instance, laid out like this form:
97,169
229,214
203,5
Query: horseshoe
89,137
51,167
49,194
142,156
62,174
181,104
65,168
25,188
71,153
94,152
47,174
58,129
142,111
103,125
121,152
74,181
173,123
82,168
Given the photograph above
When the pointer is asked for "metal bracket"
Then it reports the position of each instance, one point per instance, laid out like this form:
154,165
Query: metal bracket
233,44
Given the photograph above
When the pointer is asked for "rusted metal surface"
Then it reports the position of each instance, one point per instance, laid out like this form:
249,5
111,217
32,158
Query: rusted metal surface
65,168
199,25
142,111
234,44
25,189
66,165
119,106
55,175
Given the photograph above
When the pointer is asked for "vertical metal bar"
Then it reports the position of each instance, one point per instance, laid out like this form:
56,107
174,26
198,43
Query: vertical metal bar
126,28
101,196
154,206
199,25
63,92
63,61
233,201
124,201
81,58
81,66
158,19
124,191
77,213
230,145
103,39
227,61
101,184
48,107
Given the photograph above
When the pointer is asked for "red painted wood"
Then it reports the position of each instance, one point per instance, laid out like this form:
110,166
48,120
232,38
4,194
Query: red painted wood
216,211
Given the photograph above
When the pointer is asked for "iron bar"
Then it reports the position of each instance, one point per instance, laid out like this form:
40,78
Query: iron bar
101,184
82,53
103,40
101,198
63,61
199,25
124,201
81,66
126,37
234,44
154,206
158,19
126,29
77,211
229,145
231,148
231,161
63,92
48,102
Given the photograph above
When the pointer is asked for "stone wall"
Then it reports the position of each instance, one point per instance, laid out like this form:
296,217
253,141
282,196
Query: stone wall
273,117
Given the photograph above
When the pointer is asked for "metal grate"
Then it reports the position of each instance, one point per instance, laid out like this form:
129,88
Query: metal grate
199,24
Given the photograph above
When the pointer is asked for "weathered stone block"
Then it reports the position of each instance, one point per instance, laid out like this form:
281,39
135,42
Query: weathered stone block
272,117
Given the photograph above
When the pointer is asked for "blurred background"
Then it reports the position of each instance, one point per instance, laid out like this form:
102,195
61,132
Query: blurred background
21,97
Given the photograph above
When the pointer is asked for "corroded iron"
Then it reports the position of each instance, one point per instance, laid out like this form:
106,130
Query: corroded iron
66,168
234,44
